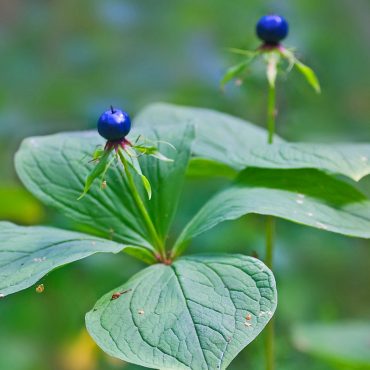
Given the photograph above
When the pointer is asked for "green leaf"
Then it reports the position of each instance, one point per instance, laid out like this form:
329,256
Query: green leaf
345,343
239,144
54,169
200,167
351,160
197,313
309,74
29,253
307,197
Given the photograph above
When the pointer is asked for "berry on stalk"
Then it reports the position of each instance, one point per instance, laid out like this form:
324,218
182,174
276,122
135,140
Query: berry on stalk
114,124
272,29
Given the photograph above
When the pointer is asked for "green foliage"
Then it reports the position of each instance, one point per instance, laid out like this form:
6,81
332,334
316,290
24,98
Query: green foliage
54,169
29,253
343,343
239,144
194,312
308,197
198,313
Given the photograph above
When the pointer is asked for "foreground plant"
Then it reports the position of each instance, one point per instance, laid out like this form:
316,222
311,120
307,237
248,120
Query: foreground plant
195,312
192,312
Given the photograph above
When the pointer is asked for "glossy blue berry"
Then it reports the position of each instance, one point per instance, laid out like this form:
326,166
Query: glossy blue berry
272,29
114,124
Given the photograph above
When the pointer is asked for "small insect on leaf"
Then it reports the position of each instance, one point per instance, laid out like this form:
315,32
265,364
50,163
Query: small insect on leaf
40,288
118,294
2,296
248,317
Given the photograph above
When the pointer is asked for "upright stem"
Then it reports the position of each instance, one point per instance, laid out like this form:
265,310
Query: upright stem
140,205
271,113
270,231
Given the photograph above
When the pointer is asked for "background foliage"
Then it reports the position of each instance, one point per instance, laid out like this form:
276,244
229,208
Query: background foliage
64,62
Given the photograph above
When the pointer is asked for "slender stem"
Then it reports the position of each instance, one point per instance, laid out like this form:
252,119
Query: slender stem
271,113
270,330
270,241
270,232
140,205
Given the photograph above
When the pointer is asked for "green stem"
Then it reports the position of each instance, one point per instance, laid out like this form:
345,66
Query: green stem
271,113
270,232
140,205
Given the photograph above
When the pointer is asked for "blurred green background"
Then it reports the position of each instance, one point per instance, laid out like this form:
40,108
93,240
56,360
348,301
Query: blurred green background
64,62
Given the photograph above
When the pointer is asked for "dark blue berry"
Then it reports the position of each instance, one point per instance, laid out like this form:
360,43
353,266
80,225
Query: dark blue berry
272,29
114,124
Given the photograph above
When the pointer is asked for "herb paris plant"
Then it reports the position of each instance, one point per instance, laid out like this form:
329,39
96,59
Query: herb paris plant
190,313
198,312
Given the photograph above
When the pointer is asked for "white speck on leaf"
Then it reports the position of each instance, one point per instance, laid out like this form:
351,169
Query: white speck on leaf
141,312
34,143
309,214
364,159
38,259
320,225
299,201
2,295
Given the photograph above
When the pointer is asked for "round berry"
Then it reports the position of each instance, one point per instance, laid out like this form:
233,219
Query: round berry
114,124
272,29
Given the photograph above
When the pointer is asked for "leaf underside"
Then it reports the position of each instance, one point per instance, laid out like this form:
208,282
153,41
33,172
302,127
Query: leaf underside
345,342
309,197
198,313
29,253
239,144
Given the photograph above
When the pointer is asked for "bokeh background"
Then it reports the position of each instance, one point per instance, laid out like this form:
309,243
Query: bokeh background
63,62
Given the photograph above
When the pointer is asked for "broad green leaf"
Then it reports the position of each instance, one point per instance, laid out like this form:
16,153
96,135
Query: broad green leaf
309,74
54,169
346,343
308,197
351,160
239,144
200,167
29,253
197,313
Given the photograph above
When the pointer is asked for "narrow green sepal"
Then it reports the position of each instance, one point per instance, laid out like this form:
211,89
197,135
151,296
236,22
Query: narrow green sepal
98,171
233,72
305,70
309,74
